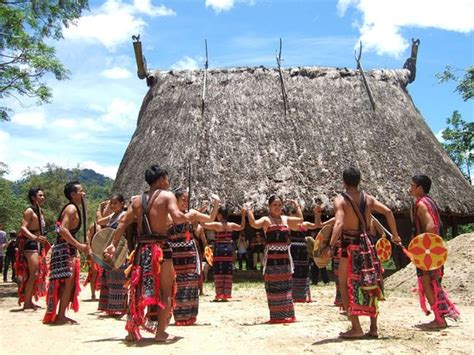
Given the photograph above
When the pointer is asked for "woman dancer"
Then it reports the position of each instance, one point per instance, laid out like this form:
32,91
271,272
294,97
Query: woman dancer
95,271
113,294
278,266
224,252
186,260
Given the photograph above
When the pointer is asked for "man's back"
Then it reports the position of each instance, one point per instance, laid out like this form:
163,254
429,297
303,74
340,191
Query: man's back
351,220
158,211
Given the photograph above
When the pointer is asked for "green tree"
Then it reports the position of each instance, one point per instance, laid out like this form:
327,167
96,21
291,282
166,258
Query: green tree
458,142
465,85
11,207
25,58
459,133
52,179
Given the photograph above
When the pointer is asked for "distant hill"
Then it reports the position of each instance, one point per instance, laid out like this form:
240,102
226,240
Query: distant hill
89,177
97,185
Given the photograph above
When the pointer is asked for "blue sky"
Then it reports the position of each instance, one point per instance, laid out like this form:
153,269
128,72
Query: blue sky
92,116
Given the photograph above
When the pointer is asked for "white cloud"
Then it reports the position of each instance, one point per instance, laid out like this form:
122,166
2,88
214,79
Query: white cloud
146,7
220,5
64,123
107,170
116,73
114,22
187,63
94,125
79,136
121,113
34,119
439,136
383,20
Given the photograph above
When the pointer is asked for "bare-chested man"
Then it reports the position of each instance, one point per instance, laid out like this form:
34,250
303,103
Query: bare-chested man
426,219
152,264
31,266
353,214
65,262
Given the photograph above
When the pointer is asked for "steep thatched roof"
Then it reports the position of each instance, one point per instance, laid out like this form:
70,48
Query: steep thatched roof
244,147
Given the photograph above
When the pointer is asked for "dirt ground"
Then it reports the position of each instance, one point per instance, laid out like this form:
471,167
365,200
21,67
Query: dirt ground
238,327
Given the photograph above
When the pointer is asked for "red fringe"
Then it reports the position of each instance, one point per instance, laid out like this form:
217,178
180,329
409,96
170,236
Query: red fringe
21,269
93,267
356,309
282,321
53,298
185,322
138,303
302,300
53,295
222,297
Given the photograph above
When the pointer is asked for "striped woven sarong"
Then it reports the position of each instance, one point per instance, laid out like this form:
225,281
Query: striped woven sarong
63,265
223,264
299,254
186,265
278,275
113,293
364,274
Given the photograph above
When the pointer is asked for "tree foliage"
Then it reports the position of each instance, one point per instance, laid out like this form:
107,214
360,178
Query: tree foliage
25,58
51,178
11,207
465,85
458,136
458,142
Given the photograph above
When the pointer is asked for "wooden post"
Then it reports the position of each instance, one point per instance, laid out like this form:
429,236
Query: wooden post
204,87
282,82
364,79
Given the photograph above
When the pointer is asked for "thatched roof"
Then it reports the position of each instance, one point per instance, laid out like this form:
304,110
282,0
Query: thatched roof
244,147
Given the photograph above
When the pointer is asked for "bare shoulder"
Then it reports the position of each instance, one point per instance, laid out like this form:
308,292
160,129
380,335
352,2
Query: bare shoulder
369,199
136,202
28,212
71,210
166,194
339,201
421,208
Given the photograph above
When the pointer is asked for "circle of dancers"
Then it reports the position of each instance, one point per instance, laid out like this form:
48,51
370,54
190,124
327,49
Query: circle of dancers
146,260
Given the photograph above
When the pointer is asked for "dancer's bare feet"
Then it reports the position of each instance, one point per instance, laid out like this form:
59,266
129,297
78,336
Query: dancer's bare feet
352,334
166,338
433,325
130,338
372,333
30,306
65,320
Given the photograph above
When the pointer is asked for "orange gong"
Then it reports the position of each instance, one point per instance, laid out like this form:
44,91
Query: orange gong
429,251
209,255
384,249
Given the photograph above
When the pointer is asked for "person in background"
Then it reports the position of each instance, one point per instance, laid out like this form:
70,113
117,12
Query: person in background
278,268
3,244
242,245
258,244
10,251
113,294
